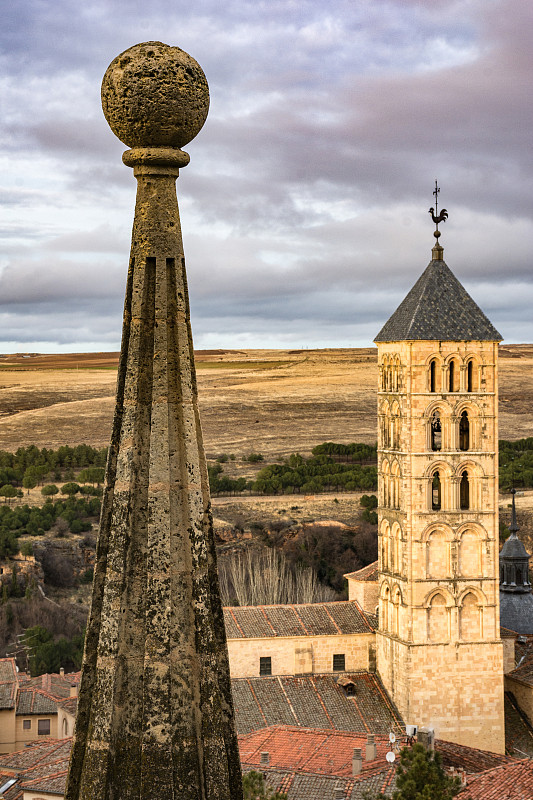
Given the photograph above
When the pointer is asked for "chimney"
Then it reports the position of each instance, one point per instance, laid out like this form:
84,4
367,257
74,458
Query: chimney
371,750
426,737
46,682
265,759
357,761
62,671
73,690
338,793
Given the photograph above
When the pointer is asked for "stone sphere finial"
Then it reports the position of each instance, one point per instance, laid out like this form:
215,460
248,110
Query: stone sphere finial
154,95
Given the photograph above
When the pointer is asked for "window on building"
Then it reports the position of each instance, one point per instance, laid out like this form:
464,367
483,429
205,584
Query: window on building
432,376
464,432
43,727
470,376
465,491
436,431
265,665
26,724
339,662
451,377
436,492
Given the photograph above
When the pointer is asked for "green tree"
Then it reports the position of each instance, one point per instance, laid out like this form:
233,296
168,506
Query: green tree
8,491
70,488
29,481
49,490
420,776
26,548
254,788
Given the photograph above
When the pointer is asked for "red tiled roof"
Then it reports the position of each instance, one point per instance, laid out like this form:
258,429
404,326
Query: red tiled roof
35,753
368,573
327,752
508,782
35,701
507,633
305,619
8,683
314,701
70,704
469,758
523,673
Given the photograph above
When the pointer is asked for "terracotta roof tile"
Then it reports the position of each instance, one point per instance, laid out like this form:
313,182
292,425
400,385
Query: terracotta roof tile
469,758
35,701
518,730
8,670
70,704
306,619
36,753
507,782
314,701
8,683
368,573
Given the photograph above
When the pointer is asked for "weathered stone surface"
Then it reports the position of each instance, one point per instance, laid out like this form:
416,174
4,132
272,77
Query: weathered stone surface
154,95
155,715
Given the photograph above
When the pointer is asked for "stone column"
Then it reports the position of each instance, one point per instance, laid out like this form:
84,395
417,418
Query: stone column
155,713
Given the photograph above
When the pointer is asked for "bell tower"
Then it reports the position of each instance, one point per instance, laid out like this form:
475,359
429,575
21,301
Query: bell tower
439,651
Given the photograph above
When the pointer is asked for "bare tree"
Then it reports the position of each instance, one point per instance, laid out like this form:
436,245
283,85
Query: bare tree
264,577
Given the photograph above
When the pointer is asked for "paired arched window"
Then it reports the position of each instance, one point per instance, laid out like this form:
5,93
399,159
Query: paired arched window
438,620
464,491
437,555
453,375
433,375
464,432
470,554
436,492
470,376
436,431
470,618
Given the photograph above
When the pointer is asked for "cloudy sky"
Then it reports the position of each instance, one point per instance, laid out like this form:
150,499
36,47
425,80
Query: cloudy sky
304,207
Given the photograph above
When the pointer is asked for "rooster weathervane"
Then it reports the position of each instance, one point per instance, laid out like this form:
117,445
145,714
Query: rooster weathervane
435,216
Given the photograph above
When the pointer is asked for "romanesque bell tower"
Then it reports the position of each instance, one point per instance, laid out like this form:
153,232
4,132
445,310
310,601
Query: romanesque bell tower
439,651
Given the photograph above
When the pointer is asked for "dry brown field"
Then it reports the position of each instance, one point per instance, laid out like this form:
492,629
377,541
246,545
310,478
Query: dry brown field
270,401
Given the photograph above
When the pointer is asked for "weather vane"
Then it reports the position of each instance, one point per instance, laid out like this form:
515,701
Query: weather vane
435,216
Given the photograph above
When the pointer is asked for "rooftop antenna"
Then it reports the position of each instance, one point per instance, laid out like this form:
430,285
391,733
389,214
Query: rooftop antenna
436,217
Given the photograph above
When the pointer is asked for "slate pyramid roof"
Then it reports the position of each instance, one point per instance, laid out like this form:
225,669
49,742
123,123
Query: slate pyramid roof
438,307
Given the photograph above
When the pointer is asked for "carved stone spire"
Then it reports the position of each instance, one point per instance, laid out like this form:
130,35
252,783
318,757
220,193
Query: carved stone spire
155,714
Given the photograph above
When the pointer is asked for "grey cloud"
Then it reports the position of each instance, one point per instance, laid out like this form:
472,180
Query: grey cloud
306,197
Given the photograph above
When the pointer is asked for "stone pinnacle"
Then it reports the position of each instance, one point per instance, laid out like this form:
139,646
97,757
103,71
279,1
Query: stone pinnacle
155,713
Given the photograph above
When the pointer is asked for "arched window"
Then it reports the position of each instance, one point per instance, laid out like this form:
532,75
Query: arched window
65,728
436,431
470,376
470,618
435,492
470,554
437,555
438,619
395,486
451,377
386,609
385,544
433,376
395,426
519,576
464,432
464,500
396,613
386,484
